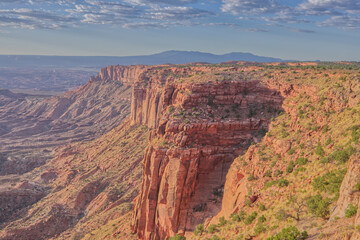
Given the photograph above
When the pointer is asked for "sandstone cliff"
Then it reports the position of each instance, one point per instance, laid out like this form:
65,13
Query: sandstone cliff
199,129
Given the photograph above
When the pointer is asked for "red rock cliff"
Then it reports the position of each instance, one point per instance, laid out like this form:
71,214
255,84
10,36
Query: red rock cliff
199,129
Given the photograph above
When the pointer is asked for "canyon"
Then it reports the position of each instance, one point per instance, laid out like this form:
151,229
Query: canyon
151,152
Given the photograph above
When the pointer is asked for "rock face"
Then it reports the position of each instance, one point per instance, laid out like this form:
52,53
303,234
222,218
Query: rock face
199,129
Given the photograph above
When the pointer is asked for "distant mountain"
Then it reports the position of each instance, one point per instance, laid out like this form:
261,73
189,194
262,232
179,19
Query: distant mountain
172,57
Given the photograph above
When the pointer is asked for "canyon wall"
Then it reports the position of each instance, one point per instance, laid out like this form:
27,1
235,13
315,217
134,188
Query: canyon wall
198,130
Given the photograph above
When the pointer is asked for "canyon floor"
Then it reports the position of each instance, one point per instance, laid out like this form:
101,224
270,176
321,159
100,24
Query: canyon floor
198,151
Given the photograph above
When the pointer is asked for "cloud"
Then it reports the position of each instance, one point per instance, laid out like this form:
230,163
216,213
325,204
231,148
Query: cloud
101,12
144,25
132,16
329,7
256,15
32,19
345,22
177,13
162,2
250,7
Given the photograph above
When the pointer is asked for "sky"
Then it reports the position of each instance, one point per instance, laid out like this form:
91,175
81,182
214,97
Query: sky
326,30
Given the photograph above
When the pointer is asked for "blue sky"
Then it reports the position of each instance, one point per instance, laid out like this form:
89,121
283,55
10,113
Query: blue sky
296,29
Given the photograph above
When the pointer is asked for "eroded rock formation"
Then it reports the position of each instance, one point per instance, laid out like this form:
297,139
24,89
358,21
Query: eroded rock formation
199,129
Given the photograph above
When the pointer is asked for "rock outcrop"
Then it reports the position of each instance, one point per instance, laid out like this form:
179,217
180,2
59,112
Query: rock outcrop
199,129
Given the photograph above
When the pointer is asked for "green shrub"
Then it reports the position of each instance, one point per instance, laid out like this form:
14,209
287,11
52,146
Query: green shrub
281,215
262,207
290,233
199,229
235,217
277,173
262,219
300,169
355,133
291,151
357,187
268,173
318,206
329,182
215,237
325,129
341,155
290,167
177,237
283,182
250,218
319,150
269,184
251,178
248,202
212,228
259,228
328,141
301,161
351,210
222,222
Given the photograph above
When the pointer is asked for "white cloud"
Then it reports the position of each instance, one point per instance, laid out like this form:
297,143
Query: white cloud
250,7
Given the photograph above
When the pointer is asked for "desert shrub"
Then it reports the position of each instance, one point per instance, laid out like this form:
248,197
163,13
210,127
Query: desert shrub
222,221
301,161
268,173
262,219
329,182
319,150
284,133
277,173
212,228
328,141
291,151
281,215
177,237
235,217
250,218
259,228
325,129
283,182
290,167
351,210
289,233
355,133
262,207
318,206
341,155
357,187
248,202
199,229
242,215
300,169
269,184
215,237
251,178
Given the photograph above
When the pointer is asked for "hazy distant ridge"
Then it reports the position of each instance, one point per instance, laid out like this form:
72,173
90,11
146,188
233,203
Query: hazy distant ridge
173,57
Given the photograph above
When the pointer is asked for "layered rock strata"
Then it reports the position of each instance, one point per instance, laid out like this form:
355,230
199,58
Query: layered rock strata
198,130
